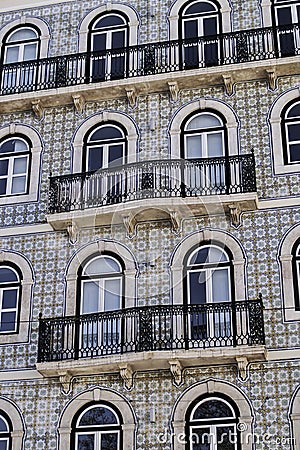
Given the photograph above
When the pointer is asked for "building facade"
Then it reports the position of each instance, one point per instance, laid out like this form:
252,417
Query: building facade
150,225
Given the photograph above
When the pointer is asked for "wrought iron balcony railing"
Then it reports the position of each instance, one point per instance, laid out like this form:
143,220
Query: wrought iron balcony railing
153,328
153,179
153,58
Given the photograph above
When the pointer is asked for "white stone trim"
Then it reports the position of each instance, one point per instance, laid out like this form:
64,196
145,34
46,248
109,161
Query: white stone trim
276,134
98,119
97,394
173,16
287,281
216,387
198,106
25,300
294,417
18,428
107,8
27,21
101,247
225,239
266,13
35,150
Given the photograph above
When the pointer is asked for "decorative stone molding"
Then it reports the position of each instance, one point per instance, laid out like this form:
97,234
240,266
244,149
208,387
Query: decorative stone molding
126,373
235,214
174,90
79,103
228,82
129,222
176,371
272,78
17,421
65,380
73,232
242,363
37,109
132,96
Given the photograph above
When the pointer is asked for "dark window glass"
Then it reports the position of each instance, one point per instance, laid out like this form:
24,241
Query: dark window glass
210,26
98,416
197,289
284,16
106,133
200,7
109,21
118,39
95,161
212,409
109,441
115,154
3,166
3,426
294,132
99,42
3,185
8,321
7,275
294,111
295,152
190,29
86,442
10,297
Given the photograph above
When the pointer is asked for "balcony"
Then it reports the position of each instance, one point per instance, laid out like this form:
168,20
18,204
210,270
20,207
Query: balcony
153,190
244,55
150,337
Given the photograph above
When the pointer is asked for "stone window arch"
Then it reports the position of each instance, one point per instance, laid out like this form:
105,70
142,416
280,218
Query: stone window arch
17,424
103,118
15,130
103,247
289,276
16,260
128,420
199,107
205,389
294,416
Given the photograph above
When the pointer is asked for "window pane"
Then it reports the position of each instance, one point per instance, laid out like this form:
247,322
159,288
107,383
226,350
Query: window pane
102,265
9,298
86,442
200,7
106,133
3,166
24,34
20,165
18,185
13,145
109,441
226,438
112,298
194,147
200,438
118,39
190,29
210,26
115,154
98,416
294,132
90,301
294,152
99,42
212,409
3,444
216,255
12,55
220,285
30,52
3,186
215,145
197,285
8,321
284,16
294,111
7,275
204,121
3,425
95,159
108,21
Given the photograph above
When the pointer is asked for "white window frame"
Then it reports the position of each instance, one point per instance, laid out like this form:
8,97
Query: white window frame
10,176
12,286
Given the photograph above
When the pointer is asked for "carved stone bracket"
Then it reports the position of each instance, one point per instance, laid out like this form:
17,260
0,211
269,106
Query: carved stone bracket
132,96
37,109
73,231
174,90
79,103
126,373
228,82
242,363
235,215
65,379
272,79
129,223
176,371
176,221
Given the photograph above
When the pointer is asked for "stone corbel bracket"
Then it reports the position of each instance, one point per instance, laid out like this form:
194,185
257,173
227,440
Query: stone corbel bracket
272,78
176,371
126,374
176,221
242,363
129,222
174,90
132,96
65,379
37,109
228,83
73,232
235,215
79,103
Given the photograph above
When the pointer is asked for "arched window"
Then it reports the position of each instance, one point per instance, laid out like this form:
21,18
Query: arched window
204,137
200,20
209,292
97,427
291,133
10,287
108,39
286,14
20,45
212,424
14,166
5,432
296,273
101,288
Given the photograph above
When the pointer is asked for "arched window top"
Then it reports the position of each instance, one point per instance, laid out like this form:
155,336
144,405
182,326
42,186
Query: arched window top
207,254
199,7
293,111
22,34
98,416
101,265
13,145
203,120
109,21
212,408
107,132
5,426
8,275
